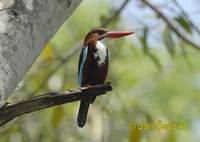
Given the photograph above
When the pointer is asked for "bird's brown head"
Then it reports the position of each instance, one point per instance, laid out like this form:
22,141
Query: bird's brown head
101,33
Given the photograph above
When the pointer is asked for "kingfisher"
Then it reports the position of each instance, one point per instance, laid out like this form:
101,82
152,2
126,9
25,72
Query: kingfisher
93,64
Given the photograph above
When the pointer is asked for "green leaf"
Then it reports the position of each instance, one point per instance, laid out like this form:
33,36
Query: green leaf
48,52
155,61
169,42
135,135
172,136
57,116
103,18
184,23
143,40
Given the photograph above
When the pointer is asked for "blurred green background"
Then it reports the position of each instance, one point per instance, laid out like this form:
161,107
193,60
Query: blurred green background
155,76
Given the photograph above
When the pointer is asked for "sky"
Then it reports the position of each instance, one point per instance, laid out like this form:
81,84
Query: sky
134,16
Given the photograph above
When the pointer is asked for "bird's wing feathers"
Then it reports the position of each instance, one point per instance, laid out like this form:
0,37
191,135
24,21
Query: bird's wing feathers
82,60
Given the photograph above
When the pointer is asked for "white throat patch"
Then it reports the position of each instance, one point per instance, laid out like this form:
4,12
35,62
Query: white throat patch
101,53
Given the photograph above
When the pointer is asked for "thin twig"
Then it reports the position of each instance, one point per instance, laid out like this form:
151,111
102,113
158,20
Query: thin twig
11,111
186,16
115,14
171,25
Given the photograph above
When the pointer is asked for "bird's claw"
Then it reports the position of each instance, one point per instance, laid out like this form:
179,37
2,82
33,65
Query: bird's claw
89,86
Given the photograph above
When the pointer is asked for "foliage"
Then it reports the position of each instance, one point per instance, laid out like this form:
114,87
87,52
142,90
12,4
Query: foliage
150,83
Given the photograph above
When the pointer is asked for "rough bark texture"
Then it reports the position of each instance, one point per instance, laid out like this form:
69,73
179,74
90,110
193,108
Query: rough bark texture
25,27
11,111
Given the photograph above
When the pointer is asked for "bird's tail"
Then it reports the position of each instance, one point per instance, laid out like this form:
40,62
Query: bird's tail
83,111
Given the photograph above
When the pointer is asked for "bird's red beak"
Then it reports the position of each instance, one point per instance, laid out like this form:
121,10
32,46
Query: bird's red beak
116,34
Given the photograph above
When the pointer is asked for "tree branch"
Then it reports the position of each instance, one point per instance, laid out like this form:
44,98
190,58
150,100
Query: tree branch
25,27
51,99
115,14
171,25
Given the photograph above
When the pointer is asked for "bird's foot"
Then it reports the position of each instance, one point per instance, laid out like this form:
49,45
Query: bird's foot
108,83
89,86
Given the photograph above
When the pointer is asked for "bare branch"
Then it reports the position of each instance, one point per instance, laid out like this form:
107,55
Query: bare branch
51,99
171,25
115,14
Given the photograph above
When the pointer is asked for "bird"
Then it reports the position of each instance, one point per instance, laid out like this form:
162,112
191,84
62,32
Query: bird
93,64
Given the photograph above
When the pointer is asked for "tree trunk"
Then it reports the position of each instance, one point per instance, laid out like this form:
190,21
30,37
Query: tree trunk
25,27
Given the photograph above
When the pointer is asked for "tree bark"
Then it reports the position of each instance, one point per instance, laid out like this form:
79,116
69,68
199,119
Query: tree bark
25,27
50,99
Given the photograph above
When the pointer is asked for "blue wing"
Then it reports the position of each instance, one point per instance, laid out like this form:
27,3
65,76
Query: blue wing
82,59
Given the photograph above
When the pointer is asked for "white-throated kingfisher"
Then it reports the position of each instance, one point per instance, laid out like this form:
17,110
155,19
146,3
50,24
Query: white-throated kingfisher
93,64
